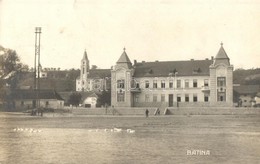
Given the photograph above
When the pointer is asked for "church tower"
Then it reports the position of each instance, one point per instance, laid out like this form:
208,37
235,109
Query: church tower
221,80
82,83
121,82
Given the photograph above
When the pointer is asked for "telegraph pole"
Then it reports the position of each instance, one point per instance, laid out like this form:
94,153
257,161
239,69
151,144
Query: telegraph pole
37,66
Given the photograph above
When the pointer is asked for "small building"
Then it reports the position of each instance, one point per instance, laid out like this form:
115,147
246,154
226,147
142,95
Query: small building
89,99
246,95
27,99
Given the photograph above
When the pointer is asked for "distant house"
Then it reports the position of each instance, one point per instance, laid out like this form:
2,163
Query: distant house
246,94
257,99
26,99
89,99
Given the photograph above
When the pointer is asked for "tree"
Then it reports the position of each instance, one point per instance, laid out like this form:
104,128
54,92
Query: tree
75,99
10,71
104,98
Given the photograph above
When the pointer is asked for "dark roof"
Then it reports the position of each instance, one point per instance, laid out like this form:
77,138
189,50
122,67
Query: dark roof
85,95
124,58
99,73
31,94
85,56
168,68
221,53
247,89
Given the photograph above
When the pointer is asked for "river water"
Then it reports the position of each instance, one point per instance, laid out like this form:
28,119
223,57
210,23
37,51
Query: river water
229,139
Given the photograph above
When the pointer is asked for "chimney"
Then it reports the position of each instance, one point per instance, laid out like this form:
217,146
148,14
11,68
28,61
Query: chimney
156,61
135,62
212,57
207,58
143,61
192,59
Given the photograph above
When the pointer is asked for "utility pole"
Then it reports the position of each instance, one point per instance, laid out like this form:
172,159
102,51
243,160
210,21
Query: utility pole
37,66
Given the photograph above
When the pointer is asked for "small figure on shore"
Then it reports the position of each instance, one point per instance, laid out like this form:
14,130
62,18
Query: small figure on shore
113,110
146,112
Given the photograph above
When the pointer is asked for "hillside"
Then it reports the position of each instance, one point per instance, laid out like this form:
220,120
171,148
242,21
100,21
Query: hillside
246,77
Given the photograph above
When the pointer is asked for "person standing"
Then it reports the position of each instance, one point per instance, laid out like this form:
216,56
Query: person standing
146,112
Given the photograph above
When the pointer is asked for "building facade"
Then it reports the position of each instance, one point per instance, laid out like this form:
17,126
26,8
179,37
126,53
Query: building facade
92,79
27,99
172,83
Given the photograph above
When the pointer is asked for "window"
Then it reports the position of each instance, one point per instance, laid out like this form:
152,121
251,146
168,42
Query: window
178,83
22,103
170,84
195,98
83,83
186,83
121,96
137,85
195,83
221,96
146,83
187,99
136,98
154,98
206,82
46,103
178,98
121,84
147,98
162,97
83,70
163,84
155,84
206,98
221,81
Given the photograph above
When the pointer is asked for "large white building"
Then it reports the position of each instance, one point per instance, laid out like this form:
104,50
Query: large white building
206,82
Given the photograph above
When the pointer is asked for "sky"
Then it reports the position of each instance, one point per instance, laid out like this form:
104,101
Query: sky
164,30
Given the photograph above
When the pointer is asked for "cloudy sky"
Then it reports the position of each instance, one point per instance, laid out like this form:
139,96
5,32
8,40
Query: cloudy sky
149,29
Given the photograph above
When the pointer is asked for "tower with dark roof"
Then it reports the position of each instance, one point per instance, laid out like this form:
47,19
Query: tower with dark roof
121,77
221,80
124,61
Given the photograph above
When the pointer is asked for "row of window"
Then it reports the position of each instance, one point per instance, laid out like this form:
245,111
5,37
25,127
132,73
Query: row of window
221,96
121,84
179,98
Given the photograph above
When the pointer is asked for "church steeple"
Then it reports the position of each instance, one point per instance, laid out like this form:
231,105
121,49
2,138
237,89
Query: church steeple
221,56
85,56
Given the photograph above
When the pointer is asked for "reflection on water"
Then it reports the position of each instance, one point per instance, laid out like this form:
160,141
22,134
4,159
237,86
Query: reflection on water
158,140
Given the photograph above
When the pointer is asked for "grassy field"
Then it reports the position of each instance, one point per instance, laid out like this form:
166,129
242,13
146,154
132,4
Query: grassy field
229,138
